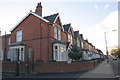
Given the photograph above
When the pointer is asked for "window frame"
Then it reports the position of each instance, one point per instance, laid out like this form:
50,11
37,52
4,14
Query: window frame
55,32
19,35
59,52
59,34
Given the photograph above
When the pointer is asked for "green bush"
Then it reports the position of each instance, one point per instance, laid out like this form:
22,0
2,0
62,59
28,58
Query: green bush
39,61
75,53
52,61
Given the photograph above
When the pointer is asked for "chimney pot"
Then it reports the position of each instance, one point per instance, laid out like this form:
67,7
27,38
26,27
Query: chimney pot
39,9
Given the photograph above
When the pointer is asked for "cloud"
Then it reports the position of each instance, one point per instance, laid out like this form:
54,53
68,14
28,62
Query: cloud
106,6
97,7
96,32
111,21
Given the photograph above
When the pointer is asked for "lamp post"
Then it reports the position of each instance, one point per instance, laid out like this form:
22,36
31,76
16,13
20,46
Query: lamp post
106,44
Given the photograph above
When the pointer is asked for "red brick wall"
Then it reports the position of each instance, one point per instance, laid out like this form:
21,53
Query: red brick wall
62,67
35,35
39,36
50,67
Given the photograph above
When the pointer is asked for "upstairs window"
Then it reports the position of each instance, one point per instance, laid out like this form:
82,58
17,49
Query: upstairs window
70,38
59,34
19,36
55,32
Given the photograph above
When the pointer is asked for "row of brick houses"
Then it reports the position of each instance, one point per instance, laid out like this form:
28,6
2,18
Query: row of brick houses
44,38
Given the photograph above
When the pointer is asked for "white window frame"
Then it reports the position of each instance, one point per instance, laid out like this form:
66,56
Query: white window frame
69,39
59,34
19,36
13,55
55,32
59,52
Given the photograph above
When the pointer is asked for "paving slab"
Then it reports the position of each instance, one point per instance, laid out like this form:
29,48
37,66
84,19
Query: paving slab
103,70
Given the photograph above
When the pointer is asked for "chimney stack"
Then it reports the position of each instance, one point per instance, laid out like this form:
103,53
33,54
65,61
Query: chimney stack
39,9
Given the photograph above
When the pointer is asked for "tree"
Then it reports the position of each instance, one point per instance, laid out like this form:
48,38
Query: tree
75,53
116,52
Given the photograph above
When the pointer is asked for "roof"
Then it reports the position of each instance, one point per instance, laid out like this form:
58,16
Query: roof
51,18
81,36
76,33
33,13
48,19
66,27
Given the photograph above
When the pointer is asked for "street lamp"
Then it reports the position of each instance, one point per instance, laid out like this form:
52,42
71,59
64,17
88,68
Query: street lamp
106,44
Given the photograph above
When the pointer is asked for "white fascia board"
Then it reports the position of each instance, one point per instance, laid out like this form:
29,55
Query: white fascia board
60,21
70,28
26,17
19,22
39,17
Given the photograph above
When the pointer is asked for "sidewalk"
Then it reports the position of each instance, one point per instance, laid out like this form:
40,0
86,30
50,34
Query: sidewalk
103,70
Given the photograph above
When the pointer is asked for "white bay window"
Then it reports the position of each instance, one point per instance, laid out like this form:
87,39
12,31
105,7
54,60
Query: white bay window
60,53
12,54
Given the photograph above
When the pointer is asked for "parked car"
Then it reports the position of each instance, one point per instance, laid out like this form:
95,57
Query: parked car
114,58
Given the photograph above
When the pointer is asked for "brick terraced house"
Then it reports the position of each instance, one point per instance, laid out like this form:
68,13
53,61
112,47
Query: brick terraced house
45,36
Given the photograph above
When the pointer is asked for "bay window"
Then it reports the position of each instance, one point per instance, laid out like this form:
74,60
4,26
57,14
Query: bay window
12,54
60,53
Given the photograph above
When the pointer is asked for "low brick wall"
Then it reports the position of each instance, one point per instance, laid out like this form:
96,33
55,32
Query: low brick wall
51,67
8,67
62,67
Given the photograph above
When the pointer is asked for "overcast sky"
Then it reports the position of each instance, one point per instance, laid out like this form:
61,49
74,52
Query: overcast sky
91,18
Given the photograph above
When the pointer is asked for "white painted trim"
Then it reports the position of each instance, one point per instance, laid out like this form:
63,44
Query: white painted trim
39,17
71,30
26,17
60,21
57,44
19,47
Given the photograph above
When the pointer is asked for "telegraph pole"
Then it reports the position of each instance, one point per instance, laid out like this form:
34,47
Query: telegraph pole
5,46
